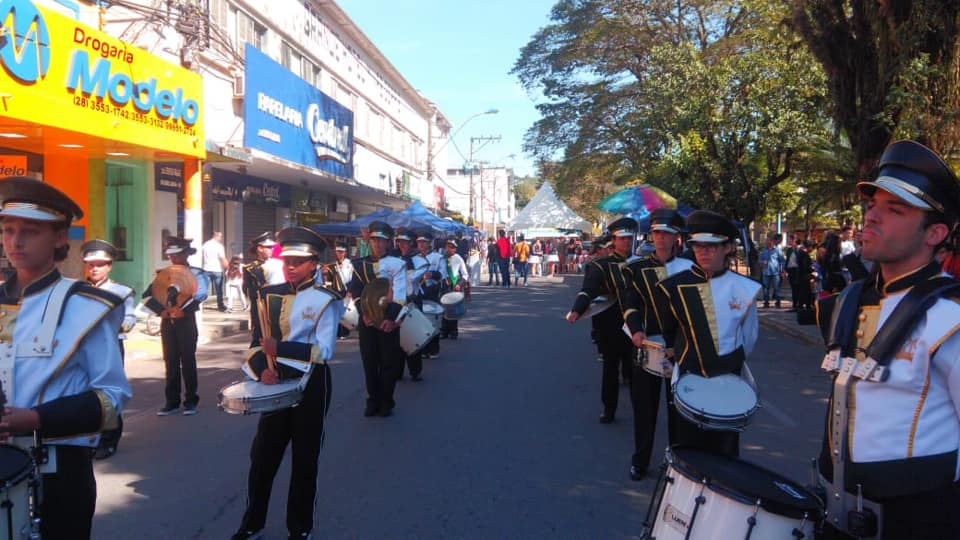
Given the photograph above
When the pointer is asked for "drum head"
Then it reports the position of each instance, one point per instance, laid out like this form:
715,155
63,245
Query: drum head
724,396
15,464
451,298
432,308
747,483
256,389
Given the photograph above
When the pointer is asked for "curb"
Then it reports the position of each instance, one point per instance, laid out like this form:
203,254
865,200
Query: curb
792,330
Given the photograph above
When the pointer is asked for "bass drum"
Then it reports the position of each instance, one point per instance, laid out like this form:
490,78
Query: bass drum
702,496
18,483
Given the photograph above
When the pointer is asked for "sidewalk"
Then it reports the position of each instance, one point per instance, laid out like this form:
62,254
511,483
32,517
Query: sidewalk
212,324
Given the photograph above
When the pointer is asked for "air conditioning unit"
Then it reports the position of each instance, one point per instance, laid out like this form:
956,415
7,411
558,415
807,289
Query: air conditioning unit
239,89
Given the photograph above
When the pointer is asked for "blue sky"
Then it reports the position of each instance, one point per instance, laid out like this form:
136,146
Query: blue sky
459,54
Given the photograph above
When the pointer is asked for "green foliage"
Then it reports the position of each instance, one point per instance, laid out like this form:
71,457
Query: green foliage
524,189
713,101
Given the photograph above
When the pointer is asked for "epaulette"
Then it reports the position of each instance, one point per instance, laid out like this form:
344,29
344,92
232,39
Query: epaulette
85,289
328,290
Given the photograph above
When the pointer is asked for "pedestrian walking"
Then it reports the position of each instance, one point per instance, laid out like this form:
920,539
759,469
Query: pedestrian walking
521,252
214,262
503,244
493,262
772,270
234,285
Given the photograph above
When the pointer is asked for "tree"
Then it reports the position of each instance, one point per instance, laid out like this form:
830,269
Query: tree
524,189
891,69
714,101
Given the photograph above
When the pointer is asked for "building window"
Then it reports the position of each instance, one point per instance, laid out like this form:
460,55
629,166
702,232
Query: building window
219,17
290,58
250,31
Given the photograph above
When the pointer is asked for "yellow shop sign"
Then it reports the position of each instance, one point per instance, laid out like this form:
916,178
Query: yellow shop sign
58,72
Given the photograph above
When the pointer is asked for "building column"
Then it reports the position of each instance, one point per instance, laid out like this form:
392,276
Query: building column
193,206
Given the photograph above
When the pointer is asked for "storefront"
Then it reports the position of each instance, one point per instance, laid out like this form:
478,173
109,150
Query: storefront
108,123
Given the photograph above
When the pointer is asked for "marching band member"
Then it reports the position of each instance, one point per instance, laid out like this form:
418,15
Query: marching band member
178,334
602,277
644,307
339,273
893,426
60,365
380,345
455,279
416,266
713,326
98,257
264,270
429,285
306,315
604,247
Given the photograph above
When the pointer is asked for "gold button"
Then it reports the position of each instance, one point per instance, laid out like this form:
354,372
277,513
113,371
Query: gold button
863,317
859,333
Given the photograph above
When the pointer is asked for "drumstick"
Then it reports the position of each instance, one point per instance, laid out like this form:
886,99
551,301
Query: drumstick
652,344
265,330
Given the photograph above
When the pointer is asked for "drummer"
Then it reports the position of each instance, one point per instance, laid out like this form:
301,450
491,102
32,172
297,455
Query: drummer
73,385
380,346
308,315
429,285
455,279
718,328
178,333
602,277
416,266
644,307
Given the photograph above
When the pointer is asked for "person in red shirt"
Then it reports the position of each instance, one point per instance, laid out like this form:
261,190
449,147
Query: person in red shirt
506,251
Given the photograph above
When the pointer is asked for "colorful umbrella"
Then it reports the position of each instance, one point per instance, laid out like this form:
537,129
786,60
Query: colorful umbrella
637,200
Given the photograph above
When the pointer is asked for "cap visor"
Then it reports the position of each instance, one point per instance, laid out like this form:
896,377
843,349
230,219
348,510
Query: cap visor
894,187
97,257
296,252
664,228
379,235
173,250
267,243
35,214
708,238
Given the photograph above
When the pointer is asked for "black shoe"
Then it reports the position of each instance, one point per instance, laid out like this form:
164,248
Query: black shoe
371,410
606,417
386,411
247,535
299,536
103,452
637,473
766,304
167,410
776,304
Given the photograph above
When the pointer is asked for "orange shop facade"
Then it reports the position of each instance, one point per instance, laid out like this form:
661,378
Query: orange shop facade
117,128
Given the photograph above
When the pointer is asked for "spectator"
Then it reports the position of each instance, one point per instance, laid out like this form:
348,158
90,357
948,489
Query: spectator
772,269
503,244
831,270
521,252
536,258
493,262
234,284
214,263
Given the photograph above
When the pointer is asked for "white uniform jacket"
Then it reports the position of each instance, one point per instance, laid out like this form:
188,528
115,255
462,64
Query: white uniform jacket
59,354
453,265
126,294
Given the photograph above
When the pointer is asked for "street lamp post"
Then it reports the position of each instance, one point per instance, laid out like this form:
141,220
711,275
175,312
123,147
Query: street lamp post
432,155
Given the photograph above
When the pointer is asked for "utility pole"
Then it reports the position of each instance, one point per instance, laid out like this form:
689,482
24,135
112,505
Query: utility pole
485,139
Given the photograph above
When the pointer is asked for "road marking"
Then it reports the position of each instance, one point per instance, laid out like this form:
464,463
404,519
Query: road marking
778,413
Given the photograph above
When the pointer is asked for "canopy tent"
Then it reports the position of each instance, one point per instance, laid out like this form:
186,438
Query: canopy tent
546,210
415,216
418,212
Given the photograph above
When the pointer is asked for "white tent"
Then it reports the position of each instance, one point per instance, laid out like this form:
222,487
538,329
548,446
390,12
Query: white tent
546,210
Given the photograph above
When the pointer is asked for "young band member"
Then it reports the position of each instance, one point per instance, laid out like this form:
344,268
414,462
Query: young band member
178,334
60,363
380,344
893,425
416,266
303,316
98,257
429,286
336,275
602,246
455,279
645,307
264,270
713,326
602,277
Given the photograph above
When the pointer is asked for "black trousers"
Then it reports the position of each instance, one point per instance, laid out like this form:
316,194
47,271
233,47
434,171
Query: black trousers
414,363
686,433
449,327
179,340
302,427
69,496
382,364
927,516
111,437
645,397
615,348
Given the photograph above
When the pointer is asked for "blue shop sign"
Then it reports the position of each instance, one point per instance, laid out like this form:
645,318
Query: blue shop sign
287,117
232,186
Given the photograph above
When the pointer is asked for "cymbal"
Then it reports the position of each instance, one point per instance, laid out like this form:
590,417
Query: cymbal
177,276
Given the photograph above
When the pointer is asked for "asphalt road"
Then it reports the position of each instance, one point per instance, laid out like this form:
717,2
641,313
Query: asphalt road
500,439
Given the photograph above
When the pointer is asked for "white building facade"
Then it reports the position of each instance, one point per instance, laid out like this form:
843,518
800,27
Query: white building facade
491,190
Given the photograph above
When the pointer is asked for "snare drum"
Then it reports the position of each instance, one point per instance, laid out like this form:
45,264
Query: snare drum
351,317
454,305
252,397
721,403
653,357
434,312
18,482
702,496
416,331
